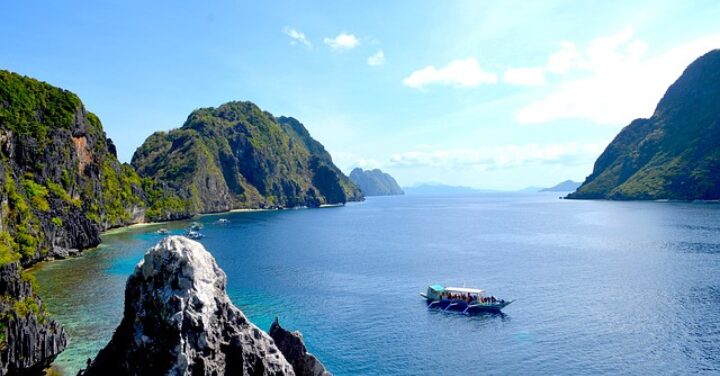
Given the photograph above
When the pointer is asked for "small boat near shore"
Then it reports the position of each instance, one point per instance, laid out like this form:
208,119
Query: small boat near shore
162,231
462,299
195,235
223,221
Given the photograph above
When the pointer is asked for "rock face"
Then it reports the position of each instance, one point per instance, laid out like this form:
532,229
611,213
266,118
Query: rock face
238,156
29,340
375,182
672,155
178,320
60,186
292,346
60,181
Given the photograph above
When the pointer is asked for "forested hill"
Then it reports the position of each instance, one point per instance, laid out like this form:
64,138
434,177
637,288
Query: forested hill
238,156
675,154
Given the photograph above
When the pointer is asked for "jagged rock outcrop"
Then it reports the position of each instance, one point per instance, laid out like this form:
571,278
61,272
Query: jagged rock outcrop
29,340
375,182
672,155
178,320
293,348
238,156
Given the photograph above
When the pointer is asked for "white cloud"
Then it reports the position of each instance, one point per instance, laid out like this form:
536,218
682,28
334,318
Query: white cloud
458,73
377,59
296,37
495,157
617,82
525,76
342,41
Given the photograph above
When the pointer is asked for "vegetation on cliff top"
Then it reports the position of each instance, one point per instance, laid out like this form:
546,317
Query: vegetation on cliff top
238,156
672,155
60,181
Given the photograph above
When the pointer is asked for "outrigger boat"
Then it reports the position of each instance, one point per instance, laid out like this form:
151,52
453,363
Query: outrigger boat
194,235
162,231
196,226
462,299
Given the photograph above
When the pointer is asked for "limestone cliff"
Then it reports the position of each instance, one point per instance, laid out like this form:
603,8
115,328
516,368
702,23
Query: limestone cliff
238,156
60,181
375,182
292,346
178,320
34,340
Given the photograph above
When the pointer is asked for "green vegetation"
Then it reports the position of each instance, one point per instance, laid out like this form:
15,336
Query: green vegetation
33,106
66,168
238,156
672,155
8,248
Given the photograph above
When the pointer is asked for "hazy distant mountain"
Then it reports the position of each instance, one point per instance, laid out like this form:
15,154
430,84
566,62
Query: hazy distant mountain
672,155
375,182
442,189
566,186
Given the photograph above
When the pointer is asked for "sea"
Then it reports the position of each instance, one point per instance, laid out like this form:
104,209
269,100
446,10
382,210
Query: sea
599,287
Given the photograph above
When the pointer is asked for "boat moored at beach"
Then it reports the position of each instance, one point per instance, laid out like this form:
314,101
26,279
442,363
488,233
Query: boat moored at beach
462,299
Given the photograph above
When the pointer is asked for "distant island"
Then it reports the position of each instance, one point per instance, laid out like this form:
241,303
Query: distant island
375,182
566,186
672,155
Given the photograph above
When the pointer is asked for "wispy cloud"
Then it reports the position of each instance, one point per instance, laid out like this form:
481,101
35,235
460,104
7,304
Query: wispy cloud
496,157
617,81
296,37
525,76
458,73
342,41
377,59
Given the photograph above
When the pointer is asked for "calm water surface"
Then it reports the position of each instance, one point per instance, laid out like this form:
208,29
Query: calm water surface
601,287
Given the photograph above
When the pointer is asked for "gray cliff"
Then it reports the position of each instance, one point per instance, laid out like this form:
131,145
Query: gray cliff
292,346
36,339
178,320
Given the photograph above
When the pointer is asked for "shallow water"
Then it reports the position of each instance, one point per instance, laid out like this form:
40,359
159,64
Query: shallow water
601,287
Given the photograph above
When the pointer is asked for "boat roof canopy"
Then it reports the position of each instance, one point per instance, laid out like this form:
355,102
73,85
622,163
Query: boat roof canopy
461,290
465,290
437,288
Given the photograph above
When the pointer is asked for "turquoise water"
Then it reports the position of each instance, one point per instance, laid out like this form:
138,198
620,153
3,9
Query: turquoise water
601,287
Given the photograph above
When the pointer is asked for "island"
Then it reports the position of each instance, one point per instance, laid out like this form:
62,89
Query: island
375,182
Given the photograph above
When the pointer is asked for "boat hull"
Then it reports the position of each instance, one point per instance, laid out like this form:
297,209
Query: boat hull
462,306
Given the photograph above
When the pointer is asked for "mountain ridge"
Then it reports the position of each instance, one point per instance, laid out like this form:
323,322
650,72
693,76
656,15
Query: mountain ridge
671,155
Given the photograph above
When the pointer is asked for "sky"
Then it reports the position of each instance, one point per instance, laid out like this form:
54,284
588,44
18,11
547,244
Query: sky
488,94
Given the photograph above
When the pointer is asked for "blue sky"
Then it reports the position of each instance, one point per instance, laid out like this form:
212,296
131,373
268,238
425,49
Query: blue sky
490,94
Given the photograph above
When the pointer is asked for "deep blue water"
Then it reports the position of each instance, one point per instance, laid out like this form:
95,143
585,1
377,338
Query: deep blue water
601,287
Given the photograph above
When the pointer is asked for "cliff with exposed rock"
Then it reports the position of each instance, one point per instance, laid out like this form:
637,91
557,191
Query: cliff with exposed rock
238,156
375,182
179,320
30,339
